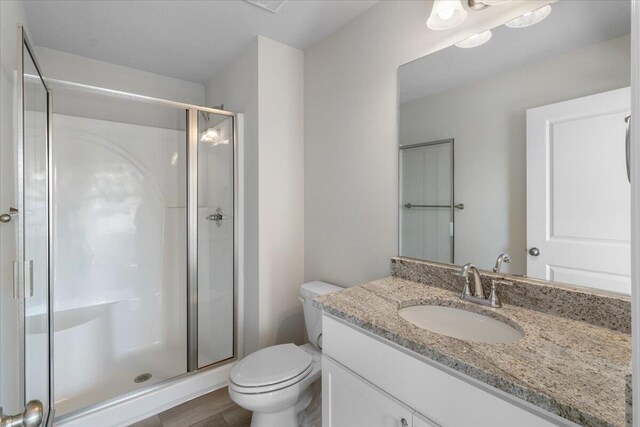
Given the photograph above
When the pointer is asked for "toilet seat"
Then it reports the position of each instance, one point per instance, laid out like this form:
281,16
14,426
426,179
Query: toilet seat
271,387
270,369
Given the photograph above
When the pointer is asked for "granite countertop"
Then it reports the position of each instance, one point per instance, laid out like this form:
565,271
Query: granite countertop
571,368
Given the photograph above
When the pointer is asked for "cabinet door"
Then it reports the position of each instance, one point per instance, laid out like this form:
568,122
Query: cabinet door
349,400
420,420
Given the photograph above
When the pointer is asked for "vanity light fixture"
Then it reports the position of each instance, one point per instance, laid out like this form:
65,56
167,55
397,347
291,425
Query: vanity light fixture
446,14
530,18
483,4
475,40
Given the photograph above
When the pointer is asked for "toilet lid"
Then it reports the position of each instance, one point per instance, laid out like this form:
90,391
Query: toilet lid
271,365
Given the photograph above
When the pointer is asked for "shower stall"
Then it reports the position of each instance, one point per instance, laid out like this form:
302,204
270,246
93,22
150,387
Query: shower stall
125,280
142,243
127,275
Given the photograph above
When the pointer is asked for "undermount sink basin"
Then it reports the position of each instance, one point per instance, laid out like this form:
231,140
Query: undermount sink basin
461,324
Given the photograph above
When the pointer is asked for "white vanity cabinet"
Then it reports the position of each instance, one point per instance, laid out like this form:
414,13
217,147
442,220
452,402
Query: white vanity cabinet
349,400
368,381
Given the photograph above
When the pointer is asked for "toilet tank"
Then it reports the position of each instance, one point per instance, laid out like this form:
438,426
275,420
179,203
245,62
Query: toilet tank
312,314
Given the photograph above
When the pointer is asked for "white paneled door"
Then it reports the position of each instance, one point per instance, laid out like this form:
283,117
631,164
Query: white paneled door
578,193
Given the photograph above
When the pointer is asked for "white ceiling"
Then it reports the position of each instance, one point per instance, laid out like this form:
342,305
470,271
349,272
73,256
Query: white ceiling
189,40
571,25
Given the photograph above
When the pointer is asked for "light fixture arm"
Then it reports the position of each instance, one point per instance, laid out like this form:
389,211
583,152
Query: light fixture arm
477,5
483,4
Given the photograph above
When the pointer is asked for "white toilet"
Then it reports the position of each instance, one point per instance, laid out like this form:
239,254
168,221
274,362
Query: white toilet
277,383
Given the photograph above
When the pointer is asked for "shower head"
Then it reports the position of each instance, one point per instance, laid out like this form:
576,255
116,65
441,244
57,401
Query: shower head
205,115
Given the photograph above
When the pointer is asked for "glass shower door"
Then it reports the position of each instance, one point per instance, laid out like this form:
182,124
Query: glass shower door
119,222
143,239
215,238
26,379
426,201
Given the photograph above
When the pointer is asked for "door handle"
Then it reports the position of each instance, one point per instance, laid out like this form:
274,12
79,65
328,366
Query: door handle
31,417
7,217
534,251
627,146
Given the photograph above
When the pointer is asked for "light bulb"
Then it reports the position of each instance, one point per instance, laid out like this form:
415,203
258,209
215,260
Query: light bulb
475,40
446,14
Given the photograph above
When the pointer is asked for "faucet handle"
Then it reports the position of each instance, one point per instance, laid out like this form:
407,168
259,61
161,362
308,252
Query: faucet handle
466,290
502,258
494,301
464,270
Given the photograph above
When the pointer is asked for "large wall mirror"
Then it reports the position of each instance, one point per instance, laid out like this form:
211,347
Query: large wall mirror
518,146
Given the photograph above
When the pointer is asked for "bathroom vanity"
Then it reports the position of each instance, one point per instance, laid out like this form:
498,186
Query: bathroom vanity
512,149
568,368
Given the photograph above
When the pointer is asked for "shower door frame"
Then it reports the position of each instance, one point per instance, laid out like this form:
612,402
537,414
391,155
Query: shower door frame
191,143
19,279
452,191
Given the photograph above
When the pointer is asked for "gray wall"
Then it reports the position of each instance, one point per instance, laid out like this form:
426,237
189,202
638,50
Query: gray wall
266,84
351,122
78,69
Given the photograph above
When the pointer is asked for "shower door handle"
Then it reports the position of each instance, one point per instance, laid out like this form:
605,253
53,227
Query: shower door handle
627,146
28,278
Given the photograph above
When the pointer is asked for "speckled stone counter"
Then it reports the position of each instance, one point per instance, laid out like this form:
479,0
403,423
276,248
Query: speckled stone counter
593,306
571,368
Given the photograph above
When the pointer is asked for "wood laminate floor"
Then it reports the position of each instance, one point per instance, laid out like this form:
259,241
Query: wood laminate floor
214,409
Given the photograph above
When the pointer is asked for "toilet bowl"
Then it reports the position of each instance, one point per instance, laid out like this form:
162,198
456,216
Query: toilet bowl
279,382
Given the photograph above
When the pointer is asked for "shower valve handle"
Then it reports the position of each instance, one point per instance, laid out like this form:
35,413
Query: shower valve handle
216,217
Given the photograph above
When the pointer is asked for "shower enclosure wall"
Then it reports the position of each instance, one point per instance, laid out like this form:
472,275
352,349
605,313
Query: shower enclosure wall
142,243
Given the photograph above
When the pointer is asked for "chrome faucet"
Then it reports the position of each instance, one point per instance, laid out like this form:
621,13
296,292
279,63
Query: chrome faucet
477,290
501,258
477,295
